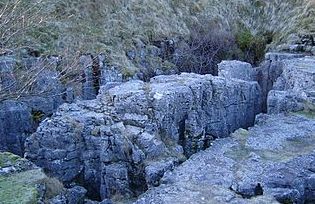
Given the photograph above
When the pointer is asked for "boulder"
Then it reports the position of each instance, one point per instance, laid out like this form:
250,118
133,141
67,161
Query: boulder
74,195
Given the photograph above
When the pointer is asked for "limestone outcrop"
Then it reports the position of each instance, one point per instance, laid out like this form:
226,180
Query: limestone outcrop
31,89
237,70
135,135
269,163
29,92
121,143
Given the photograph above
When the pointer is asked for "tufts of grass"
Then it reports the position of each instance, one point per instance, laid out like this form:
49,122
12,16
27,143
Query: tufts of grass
72,27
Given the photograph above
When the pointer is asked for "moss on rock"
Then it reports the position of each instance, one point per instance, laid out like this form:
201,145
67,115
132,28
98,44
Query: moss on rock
9,159
20,180
20,187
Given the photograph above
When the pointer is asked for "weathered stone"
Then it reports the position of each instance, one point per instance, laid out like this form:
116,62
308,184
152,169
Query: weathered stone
76,195
269,72
299,43
29,105
278,56
89,86
155,171
236,69
294,88
15,125
285,101
297,74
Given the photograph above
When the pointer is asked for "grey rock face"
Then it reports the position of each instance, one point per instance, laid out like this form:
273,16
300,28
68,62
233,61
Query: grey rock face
285,101
148,57
278,56
236,69
15,125
74,195
96,72
299,43
298,74
266,164
268,73
123,142
21,115
7,78
40,99
89,86
294,89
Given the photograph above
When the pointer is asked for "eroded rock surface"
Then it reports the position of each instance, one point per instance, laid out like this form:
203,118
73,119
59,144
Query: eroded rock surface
15,124
122,143
270,70
272,161
236,69
294,89
29,91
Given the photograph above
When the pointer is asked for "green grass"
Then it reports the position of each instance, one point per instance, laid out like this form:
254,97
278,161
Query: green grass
20,187
308,114
9,159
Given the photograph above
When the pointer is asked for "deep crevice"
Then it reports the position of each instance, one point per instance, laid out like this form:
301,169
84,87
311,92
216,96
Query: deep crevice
96,72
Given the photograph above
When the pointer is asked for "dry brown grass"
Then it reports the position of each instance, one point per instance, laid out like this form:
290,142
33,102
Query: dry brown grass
113,26
53,187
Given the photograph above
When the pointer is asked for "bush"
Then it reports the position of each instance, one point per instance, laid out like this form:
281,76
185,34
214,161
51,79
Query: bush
253,47
207,45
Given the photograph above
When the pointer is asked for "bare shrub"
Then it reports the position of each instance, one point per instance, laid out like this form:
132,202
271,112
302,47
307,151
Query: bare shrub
207,45
45,76
17,19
